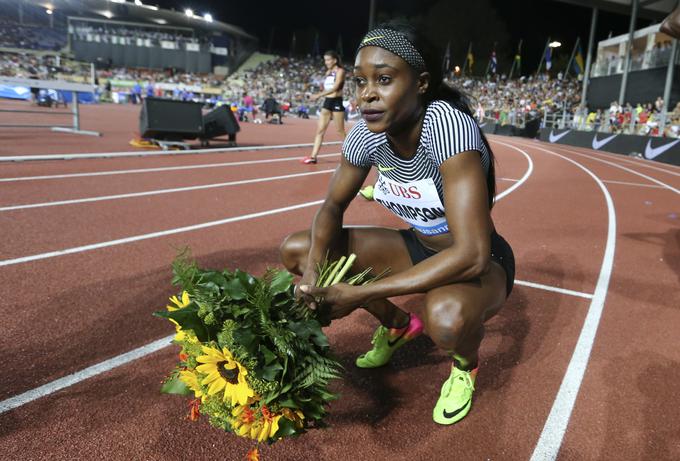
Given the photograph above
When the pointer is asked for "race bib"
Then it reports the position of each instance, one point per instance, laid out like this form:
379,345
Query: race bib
417,203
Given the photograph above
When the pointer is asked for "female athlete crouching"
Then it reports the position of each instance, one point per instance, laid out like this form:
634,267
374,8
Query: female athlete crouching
436,172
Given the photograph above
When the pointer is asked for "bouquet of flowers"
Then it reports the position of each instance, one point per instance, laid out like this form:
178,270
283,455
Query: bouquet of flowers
252,355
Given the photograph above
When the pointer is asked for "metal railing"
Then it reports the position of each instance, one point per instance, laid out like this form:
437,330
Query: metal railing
648,60
655,125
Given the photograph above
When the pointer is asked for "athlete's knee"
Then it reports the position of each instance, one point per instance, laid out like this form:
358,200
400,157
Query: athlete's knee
445,320
294,250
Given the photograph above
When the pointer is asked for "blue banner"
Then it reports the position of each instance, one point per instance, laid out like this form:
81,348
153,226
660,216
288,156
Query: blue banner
15,92
24,93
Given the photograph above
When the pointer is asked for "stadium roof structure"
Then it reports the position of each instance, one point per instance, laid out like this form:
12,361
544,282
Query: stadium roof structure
648,9
139,12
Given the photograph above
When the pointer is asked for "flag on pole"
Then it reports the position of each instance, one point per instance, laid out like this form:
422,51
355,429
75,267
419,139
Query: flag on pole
316,51
493,63
338,47
579,65
517,62
470,58
292,45
548,58
447,58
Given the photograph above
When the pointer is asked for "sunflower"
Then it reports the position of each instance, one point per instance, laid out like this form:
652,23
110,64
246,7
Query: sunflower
179,304
223,373
190,379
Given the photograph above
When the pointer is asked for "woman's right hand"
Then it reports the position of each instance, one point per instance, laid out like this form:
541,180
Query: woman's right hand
308,278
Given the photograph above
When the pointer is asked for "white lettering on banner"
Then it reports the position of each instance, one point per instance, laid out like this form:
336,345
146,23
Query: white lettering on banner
417,203
219,50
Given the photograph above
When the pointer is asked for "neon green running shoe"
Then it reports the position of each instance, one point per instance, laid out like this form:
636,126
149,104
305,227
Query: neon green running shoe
456,397
367,192
387,340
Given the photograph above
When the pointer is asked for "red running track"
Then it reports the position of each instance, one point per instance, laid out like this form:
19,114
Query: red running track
66,312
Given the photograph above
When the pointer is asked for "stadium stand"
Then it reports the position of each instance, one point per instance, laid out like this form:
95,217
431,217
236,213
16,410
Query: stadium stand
142,51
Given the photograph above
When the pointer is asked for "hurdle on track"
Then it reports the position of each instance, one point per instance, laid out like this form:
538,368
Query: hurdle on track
61,85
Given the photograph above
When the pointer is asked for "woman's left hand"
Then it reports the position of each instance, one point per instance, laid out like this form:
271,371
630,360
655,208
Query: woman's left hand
341,298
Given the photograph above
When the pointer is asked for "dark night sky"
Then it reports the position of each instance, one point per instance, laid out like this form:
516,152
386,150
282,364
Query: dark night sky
482,22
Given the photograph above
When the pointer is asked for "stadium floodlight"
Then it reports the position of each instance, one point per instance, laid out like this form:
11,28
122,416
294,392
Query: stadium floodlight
189,12
208,17
138,2
107,14
118,1
49,11
554,44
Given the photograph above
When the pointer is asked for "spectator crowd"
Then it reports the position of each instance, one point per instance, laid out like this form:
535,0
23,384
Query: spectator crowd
30,37
122,35
287,83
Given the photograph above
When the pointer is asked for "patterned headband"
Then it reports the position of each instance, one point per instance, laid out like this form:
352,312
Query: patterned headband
397,43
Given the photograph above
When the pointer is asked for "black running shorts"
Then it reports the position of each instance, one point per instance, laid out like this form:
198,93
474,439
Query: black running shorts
334,104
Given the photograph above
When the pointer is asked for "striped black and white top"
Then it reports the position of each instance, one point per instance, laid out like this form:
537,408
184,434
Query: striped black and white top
446,132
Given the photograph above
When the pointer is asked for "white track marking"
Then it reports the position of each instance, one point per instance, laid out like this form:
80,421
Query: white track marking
530,169
110,364
22,158
621,167
643,162
89,372
563,291
623,183
54,386
155,170
160,191
136,238
548,445
507,179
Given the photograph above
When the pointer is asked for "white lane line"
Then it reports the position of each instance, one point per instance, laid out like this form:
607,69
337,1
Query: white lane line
110,364
642,162
530,169
44,390
548,445
155,170
89,372
621,167
563,291
21,158
136,238
633,184
80,249
161,191
507,179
